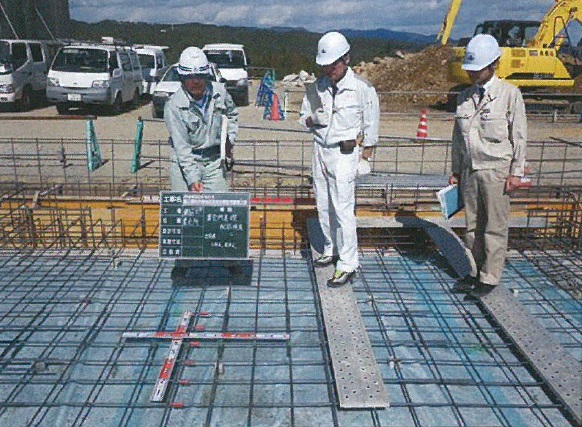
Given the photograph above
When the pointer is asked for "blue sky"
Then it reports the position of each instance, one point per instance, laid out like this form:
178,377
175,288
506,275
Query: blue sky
418,16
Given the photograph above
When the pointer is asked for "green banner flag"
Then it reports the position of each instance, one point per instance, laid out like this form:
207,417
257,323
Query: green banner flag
136,161
94,160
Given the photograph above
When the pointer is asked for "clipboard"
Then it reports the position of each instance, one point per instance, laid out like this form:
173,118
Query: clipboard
451,201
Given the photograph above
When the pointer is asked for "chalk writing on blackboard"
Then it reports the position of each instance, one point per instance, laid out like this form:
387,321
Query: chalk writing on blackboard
204,225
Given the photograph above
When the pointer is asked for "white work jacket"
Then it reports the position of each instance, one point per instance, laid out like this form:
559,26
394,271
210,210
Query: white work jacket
193,134
490,134
353,111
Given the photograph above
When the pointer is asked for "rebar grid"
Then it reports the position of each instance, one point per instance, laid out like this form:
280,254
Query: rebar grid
64,362
60,217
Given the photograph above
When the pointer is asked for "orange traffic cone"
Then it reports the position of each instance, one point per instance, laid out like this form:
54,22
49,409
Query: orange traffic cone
422,131
275,108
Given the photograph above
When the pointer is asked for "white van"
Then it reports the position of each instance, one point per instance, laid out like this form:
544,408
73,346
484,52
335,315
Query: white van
23,71
232,63
153,65
94,74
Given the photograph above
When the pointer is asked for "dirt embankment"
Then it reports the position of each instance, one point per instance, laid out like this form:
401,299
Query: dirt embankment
411,73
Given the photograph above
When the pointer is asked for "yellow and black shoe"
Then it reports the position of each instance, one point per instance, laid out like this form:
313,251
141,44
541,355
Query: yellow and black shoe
323,260
340,278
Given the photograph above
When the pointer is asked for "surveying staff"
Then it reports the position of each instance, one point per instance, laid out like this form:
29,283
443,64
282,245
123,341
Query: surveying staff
488,160
341,109
193,117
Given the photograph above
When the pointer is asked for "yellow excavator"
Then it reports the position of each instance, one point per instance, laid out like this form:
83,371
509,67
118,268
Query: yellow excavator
529,50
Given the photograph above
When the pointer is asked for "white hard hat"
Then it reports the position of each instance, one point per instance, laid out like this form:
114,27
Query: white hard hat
482,50
331,47
193,62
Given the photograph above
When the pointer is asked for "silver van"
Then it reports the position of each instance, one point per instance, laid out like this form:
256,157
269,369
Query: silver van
153,65
23,71
94,74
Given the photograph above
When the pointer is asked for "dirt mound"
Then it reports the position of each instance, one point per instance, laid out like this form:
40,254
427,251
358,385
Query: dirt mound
425,71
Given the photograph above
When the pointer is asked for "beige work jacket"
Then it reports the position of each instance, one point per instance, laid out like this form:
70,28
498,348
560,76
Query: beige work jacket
490,134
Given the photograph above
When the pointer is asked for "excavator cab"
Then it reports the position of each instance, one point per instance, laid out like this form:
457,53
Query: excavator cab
510,33
521,63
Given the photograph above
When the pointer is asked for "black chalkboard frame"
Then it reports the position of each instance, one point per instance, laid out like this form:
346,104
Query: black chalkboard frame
222,208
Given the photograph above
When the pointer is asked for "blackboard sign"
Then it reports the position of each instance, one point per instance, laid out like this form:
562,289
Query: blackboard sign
204,225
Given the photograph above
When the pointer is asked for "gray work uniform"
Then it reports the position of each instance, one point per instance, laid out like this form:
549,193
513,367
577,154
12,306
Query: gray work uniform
353,111
195,141
195,137
489,145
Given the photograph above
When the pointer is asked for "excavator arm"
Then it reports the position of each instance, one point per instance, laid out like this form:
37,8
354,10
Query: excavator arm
559,16
449,21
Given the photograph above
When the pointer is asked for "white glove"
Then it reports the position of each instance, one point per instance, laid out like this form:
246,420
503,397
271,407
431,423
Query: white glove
364,167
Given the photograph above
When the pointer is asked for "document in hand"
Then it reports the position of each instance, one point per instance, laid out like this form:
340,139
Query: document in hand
451,200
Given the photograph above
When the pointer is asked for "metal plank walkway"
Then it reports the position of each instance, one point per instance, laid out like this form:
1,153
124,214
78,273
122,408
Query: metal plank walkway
358,378
559,370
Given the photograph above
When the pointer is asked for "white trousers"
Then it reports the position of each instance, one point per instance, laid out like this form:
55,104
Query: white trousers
334,177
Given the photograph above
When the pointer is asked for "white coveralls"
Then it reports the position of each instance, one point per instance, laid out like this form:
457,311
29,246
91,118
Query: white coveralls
489,145
352,112
195,137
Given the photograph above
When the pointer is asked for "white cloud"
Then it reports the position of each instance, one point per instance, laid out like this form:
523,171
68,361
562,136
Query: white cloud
423,17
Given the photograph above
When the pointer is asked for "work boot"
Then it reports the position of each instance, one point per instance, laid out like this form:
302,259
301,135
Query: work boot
465,285
340,278
481,289
323,260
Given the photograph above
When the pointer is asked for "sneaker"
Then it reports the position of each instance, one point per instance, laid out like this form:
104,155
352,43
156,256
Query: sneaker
340,278
323,260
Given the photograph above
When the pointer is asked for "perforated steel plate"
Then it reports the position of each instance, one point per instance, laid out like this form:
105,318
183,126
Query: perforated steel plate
557,367
358,379
455,222
559,370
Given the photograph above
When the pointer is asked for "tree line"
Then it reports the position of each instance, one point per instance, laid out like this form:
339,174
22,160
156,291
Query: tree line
285,50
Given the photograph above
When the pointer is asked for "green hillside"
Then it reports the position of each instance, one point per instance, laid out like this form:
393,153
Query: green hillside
287,51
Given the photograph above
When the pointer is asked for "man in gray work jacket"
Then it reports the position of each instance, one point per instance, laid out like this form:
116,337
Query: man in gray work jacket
194,116
488,160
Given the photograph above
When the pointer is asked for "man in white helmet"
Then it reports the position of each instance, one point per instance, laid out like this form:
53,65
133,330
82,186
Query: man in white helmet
342,111
193,117
488,160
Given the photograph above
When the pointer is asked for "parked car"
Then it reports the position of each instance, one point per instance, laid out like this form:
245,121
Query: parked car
169,84
85,74
23,71
153,65
232,63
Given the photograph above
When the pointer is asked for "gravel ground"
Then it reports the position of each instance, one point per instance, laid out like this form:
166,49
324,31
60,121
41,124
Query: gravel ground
283,141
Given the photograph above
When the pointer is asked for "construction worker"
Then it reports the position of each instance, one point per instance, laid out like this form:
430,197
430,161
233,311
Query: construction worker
193,117
488,161
341,109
